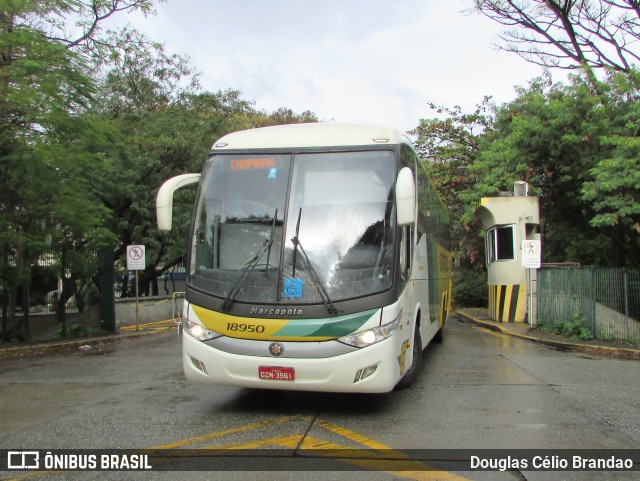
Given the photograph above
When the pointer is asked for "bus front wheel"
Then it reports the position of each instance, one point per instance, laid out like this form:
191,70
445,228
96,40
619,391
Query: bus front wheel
412,374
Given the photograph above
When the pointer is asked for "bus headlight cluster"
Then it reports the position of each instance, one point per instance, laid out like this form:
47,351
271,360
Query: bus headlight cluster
199,332
371,336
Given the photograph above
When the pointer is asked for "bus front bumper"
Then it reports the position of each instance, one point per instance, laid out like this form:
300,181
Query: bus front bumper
373,369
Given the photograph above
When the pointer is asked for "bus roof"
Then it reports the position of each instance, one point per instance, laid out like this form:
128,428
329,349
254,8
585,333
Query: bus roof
310,135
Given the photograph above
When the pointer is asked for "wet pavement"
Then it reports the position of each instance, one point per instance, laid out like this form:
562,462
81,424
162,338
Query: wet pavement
478,389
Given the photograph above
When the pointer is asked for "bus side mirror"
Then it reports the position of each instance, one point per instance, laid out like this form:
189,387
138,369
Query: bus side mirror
164,199
405,197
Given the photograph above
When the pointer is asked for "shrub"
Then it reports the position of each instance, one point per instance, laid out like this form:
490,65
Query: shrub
470,287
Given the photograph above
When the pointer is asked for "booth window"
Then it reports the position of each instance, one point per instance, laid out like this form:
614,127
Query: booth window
501,243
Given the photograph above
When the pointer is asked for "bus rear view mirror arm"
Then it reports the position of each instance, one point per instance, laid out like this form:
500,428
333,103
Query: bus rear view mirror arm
164,200
405,197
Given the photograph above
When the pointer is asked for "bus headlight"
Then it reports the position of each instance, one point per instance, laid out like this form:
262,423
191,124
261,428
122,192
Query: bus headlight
371,336
199,332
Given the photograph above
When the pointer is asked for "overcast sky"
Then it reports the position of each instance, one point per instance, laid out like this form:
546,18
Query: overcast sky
374,61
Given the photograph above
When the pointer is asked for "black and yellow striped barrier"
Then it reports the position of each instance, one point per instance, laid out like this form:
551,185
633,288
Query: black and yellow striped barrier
507,303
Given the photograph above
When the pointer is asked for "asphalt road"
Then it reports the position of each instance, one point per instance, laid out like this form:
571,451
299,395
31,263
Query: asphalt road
478,390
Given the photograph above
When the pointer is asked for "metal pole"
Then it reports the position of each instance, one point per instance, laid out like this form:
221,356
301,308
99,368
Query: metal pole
137,304
5,294
529,298
626,303
533,317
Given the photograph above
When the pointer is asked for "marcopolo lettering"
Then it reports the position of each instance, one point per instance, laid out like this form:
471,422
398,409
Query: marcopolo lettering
276,311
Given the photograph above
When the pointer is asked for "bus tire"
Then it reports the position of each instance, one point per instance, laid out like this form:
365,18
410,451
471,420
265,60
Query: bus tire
444,312
412,373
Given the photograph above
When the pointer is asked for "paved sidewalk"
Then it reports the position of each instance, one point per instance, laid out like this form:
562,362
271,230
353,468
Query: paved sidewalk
86,344
597,347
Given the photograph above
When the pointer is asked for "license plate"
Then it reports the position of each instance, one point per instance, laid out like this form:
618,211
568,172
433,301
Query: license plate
272,373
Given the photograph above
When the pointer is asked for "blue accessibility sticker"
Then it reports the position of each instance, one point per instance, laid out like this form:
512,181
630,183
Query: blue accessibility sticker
273,173
292,287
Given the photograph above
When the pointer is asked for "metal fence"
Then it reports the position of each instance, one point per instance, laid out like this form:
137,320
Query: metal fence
51,293
602,303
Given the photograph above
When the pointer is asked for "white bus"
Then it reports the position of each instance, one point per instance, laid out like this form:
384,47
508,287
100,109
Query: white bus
316,261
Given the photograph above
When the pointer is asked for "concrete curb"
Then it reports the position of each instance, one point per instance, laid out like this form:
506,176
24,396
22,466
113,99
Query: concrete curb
567,345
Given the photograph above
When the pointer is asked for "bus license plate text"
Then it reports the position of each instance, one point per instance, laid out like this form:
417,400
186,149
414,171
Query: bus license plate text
270,373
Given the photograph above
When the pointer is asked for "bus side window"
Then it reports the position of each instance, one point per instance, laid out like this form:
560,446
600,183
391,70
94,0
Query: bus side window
410,247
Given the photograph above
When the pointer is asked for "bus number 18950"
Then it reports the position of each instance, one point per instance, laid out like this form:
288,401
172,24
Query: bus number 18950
237,327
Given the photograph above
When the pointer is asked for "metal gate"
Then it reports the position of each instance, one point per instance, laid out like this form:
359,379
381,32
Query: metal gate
50,293
605,301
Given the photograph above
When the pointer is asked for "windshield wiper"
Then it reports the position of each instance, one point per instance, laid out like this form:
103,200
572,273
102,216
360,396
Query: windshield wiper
273,226
249,266
313,275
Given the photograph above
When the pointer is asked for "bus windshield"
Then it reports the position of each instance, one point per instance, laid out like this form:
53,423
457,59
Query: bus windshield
337,237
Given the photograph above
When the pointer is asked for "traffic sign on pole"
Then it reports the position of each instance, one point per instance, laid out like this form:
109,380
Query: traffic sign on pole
136,262
531,254
136,258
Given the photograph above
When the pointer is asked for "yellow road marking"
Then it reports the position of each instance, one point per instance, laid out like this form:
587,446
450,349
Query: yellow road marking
395,462
227,432
35,474
404,468
353,436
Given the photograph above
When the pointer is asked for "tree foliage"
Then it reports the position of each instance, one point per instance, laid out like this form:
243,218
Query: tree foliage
47,141
92,122
448,145
614,187
578,154
156,145
549,136
576,144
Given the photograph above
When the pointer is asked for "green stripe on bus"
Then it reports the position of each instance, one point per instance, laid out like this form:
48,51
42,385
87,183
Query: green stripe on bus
326,327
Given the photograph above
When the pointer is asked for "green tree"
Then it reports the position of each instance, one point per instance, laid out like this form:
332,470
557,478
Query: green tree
599,154
448,145
284,115
157,145
553,136
48,140
614,190
42,88
165,128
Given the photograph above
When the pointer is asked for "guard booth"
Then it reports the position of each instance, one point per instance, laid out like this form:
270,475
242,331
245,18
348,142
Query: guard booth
513,253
